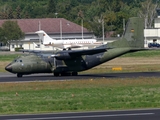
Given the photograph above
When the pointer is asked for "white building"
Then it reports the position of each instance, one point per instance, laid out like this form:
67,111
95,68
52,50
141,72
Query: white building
56,28
153,34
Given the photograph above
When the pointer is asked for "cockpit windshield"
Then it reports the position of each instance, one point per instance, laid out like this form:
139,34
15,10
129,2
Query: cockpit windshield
17,60
20,58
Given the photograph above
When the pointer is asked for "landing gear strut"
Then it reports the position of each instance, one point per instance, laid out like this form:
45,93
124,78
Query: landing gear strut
19,75
74,73
56,74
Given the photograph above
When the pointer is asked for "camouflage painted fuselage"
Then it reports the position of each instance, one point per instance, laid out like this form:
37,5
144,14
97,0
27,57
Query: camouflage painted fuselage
64,62
27,64
89,61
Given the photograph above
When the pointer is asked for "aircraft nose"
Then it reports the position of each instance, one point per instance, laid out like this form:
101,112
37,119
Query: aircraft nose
8,68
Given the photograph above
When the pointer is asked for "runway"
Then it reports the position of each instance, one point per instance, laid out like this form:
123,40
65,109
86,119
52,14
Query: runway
8,77
148,114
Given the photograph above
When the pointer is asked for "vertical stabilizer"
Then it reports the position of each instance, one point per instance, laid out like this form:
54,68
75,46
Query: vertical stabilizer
133,35
46,40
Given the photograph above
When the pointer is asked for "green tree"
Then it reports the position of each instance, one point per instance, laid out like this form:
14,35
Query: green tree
3,12
18,12
10,13
114,11
10,31
148,12
26,15
51,7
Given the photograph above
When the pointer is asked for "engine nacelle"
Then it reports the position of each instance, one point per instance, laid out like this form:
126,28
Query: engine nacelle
63,56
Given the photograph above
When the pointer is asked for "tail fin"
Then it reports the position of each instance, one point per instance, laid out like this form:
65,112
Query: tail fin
44,37
133,35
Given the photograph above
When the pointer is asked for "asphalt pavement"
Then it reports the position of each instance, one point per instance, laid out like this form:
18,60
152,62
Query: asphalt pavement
144,114
9,77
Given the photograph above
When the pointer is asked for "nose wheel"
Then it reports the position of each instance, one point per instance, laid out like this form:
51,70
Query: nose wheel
19,75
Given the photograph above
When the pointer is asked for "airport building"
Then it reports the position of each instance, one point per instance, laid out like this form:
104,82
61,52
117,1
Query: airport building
152,35
57,28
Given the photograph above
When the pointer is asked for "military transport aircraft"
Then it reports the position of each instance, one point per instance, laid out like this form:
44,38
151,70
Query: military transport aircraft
70,62
67,44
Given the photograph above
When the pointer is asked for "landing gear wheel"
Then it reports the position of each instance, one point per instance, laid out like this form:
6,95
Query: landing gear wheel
65,74
19,75
56,74
74,73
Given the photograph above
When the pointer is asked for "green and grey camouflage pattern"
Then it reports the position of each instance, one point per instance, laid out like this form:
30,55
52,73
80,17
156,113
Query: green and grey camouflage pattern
70,62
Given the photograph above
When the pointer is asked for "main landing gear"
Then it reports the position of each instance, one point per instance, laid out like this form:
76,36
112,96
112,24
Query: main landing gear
19,75
65,74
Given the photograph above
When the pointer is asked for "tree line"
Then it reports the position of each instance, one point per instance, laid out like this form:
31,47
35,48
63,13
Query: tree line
93,12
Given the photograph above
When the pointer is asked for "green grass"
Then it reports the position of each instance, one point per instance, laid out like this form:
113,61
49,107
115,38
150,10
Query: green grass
79,95
125,68
5,59
149,53
8,57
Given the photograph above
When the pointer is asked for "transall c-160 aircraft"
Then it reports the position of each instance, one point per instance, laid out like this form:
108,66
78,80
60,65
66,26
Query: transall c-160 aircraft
70,62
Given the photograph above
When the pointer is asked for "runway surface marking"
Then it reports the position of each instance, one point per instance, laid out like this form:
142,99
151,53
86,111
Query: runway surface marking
90,116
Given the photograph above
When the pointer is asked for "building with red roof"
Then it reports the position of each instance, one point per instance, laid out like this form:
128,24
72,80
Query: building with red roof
56,28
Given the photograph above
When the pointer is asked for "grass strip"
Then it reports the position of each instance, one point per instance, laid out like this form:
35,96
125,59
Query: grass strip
147,53
79,95
8,57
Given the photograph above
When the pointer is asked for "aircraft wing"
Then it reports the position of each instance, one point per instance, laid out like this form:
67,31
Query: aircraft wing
87,51
37,51
70,54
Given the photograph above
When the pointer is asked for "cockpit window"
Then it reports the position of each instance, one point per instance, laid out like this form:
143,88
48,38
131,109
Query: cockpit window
17,60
